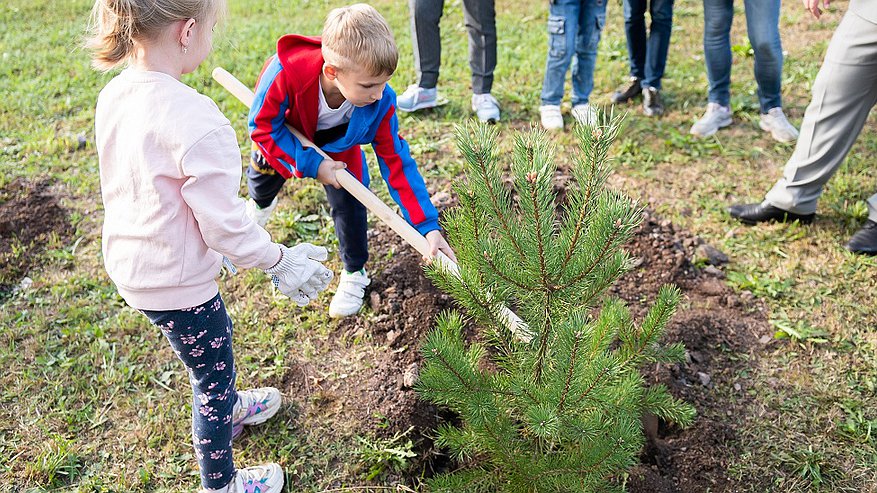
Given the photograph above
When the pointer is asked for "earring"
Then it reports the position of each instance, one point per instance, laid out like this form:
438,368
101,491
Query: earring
185,49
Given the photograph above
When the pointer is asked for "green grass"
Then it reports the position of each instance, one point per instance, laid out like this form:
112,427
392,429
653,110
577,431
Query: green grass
92,398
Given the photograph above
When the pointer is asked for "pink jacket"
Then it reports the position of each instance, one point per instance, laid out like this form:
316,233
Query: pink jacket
170,172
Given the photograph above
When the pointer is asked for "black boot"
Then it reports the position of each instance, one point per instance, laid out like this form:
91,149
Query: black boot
758,213
652,105
865,239
626,93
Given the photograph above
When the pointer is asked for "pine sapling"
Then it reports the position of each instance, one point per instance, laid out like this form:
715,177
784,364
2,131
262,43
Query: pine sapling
560,411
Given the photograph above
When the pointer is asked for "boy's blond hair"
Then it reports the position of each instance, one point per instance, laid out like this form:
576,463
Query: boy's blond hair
358,37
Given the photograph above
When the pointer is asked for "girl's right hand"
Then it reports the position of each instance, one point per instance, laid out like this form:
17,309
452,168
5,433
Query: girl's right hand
300,273
326,172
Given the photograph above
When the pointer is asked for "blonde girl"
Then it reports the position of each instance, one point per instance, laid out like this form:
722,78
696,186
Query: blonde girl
170,173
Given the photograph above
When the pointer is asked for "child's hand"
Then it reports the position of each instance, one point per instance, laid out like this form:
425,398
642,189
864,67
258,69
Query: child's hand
437,243
326,172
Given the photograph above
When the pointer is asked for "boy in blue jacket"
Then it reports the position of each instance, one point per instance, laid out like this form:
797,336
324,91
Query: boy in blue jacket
333,89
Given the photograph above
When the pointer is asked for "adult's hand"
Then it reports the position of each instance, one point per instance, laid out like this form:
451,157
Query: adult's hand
814,6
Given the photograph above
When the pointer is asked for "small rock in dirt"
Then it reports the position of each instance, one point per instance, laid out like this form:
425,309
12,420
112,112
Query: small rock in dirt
637,262
711,287
410,376
738,387
732,301
695,356
374,300
392,336
711,254
747,296
704,378
408,293
713,271
24,285
765,339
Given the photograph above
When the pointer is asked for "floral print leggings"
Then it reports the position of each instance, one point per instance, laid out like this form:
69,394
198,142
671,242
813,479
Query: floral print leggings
201,337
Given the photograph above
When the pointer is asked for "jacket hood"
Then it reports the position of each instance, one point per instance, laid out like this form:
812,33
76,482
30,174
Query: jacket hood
301,55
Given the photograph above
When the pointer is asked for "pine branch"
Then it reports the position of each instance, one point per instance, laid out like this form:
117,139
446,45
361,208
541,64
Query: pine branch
569,374
607,247
547,285
543,341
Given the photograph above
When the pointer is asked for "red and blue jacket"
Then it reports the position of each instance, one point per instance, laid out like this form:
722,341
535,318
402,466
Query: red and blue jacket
287,93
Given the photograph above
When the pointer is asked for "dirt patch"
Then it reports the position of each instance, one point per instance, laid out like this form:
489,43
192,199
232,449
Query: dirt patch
30,214
720,330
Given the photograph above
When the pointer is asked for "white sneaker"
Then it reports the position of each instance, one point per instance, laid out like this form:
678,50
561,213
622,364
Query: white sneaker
257,214
417,98
266,478
550,116
254,407
485,107
775,122
716,117
350,294
585,114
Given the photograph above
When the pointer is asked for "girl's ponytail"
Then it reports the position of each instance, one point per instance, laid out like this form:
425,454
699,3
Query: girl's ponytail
112,32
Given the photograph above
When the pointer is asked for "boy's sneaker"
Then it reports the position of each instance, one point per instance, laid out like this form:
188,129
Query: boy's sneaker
550,116
257,214
585,114
716,117
267,478
254,407
626,93
775,122
486,107
350,294
417,98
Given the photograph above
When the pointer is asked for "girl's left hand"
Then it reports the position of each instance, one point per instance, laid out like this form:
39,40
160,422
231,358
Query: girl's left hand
437,243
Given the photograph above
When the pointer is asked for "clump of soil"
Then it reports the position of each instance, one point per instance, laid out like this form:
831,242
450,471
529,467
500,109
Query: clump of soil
29,215
713,322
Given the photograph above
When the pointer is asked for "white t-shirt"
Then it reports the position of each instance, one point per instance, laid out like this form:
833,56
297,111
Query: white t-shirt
330,118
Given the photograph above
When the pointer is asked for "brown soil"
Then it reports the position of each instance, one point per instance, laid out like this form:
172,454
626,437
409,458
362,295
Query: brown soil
29,214
719,329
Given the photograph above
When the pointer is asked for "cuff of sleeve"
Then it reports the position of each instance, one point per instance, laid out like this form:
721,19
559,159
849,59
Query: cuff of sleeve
427,226
273,257
310,163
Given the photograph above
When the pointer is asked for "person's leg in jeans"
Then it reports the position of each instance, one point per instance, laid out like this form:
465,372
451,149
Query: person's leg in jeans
426,38
480,17
718,16
762,26
592,17
201,338
637,39
563,18
661,12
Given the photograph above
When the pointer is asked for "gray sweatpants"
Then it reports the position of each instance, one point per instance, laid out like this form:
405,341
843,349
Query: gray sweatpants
480,17
844,92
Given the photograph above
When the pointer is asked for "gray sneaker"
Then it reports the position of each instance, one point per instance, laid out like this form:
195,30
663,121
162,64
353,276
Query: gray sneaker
775,122
486,107
417,98
716,117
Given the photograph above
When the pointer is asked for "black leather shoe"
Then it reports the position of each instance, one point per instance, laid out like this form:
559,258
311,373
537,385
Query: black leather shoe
652,105
759,213
865,239
632,90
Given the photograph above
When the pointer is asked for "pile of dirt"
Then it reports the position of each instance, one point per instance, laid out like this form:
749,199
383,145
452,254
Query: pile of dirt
29,214
713,322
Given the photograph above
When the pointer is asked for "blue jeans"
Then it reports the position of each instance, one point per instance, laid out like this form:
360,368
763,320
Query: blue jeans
574,28
201,338
648,54
762,26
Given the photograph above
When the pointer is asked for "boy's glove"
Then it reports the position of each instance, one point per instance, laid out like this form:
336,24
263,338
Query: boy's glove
299,273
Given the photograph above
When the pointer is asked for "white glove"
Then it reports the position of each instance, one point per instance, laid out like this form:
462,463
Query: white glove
300,274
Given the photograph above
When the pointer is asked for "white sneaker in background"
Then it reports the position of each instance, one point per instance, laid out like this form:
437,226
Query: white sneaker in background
585,114
350,294
716,117
550,117
485,107
775,122
417,98
257,214
254,407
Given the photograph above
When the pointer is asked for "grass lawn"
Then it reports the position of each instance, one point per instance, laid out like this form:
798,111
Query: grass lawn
93,399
